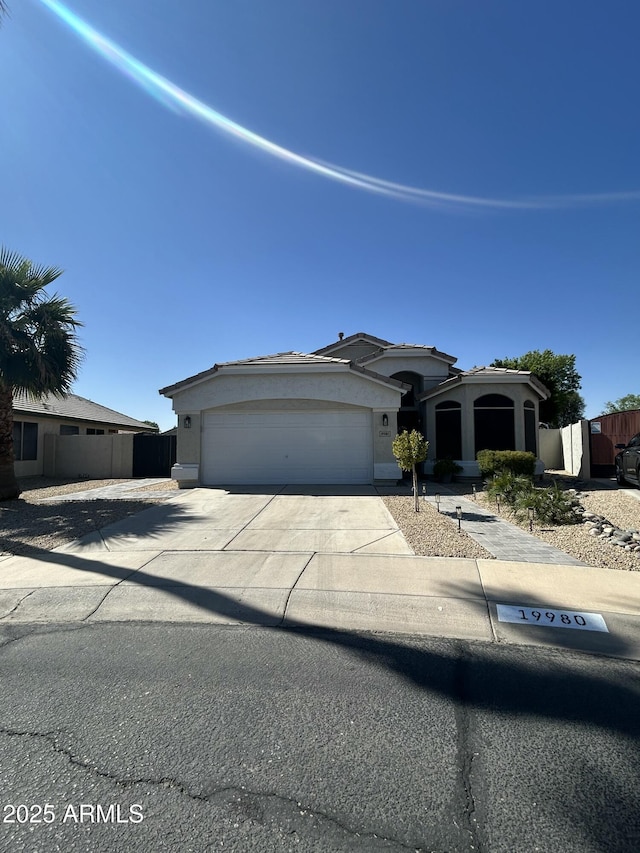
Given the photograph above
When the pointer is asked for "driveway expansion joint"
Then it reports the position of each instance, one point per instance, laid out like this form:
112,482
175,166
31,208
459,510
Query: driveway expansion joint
252,519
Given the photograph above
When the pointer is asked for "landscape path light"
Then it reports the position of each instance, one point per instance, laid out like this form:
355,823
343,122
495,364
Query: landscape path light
531,513
459,514
438,502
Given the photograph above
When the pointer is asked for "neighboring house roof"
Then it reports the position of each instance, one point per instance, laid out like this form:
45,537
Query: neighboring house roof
488,374
72,407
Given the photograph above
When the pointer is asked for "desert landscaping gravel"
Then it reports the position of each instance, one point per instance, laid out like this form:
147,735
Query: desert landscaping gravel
620,506
430,533
29,526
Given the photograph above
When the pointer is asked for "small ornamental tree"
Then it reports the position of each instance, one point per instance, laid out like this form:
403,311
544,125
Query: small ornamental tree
410,448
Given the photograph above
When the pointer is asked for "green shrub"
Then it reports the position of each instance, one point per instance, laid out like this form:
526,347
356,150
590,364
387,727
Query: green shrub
511,487
492,462
550,504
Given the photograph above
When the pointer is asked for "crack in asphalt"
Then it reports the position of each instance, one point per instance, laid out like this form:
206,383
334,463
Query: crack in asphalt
230,796
260,799
465,755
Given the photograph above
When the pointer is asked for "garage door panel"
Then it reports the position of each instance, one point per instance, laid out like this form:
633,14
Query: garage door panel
296,447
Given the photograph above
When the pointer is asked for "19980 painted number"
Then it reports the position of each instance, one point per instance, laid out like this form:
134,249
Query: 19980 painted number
549,615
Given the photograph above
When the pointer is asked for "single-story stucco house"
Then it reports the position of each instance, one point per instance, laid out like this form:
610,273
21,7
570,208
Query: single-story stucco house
330,416
33,419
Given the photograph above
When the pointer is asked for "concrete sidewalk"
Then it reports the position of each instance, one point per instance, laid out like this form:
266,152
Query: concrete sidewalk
275,559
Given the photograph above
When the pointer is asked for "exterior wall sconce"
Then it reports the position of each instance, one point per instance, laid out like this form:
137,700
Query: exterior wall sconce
459,517
187,421
385,420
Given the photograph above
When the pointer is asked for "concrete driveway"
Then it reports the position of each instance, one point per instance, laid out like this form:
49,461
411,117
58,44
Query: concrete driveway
321,519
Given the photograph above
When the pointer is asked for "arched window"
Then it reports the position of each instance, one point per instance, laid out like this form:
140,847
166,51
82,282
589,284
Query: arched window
494,423
530,426
449,430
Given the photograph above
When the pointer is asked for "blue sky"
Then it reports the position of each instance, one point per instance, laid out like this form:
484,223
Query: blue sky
184,245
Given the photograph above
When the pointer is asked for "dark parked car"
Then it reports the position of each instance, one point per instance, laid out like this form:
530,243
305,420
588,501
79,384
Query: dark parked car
628,461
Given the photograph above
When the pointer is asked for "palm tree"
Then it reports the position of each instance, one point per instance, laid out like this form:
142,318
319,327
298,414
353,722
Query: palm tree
39,350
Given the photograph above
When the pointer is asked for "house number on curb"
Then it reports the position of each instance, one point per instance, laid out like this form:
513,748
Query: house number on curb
551,618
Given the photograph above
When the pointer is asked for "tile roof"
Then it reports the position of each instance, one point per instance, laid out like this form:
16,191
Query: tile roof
492,371
76,408
280,358
286,358
495,372
392,347
351,338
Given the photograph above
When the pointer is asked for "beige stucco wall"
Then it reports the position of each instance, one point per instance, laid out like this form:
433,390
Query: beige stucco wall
335,386
46,426
95,456
385,466
550,448
466,394
575,449
51,427
432,370
286,391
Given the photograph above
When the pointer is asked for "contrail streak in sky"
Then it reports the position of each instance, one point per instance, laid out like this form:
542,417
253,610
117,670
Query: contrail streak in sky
178,100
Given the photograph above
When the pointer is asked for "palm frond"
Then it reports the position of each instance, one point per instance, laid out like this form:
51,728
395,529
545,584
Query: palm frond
39,348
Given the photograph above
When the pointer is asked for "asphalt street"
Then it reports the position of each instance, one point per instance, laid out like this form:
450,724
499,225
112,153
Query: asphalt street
173,737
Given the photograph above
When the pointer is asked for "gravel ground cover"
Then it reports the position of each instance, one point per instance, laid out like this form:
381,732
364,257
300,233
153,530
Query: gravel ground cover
601,497
29,526
430,533
616,505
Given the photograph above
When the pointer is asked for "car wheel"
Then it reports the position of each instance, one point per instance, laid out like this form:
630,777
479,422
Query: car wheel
619,474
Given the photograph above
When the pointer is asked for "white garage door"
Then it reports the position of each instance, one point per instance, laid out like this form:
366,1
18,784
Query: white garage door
291,447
